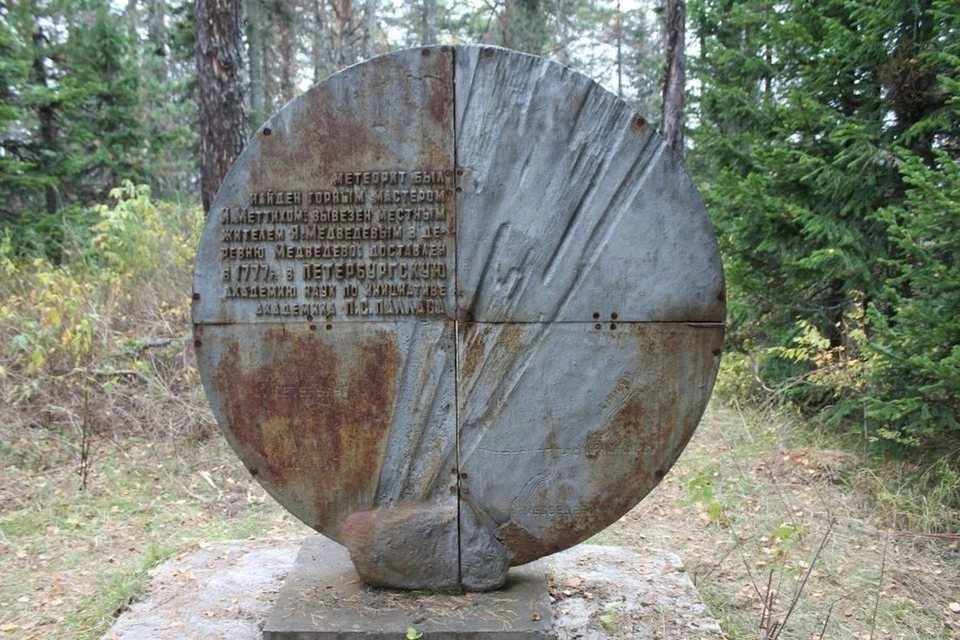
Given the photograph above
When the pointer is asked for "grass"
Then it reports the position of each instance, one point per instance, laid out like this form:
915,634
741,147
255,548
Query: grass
747,506
73,559
784,539
80,556
786,533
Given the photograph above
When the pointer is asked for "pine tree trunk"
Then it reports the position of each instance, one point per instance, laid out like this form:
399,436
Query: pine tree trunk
320,54
674,31
342,23
428,16
369,29
287,35
219,91
157,33
47,115
255,56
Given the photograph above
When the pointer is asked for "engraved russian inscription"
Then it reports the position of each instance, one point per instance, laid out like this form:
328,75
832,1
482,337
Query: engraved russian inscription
357,243
457,298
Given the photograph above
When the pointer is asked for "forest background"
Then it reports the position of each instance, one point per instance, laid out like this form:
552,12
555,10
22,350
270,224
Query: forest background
823,137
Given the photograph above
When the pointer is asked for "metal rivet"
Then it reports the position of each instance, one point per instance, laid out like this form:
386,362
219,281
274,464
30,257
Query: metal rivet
426,52
459,190
313,327
596,326
329,327
613,316
464,476
267,131
196,296
197,343
596,315
613,325
254,471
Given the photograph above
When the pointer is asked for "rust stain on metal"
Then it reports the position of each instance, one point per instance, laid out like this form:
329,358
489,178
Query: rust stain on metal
475,338
524,546
622,431
306,442
562,424
440,102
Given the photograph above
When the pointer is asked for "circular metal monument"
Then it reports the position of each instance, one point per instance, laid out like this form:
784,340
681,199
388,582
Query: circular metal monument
457,308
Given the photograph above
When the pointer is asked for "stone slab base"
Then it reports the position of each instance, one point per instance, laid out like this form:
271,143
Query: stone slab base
323,599
228,590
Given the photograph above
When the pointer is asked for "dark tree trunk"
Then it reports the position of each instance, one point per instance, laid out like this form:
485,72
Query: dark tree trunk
674,31
428,17
157,33
219,91
319,40
47,114
286,23
255,56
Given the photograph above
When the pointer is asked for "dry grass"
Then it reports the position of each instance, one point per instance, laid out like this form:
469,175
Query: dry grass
71,559
748,516
783,543
110,461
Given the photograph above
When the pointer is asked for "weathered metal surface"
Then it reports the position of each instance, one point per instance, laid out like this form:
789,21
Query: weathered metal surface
530,348
324,282
584,255
564,426
572,208
308,179
314,412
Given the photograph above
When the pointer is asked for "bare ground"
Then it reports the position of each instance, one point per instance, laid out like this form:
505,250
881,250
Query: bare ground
775,535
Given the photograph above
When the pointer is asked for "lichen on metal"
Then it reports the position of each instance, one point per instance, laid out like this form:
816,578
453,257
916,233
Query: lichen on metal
457,308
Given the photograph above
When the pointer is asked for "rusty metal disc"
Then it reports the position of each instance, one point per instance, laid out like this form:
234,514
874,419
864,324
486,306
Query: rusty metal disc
459,276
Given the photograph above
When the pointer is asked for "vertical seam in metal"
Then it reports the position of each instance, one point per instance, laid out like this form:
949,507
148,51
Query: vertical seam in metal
456,320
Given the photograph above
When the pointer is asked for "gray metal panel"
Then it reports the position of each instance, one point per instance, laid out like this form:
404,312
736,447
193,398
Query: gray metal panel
333,421
566,426
575,270
388,116
571,206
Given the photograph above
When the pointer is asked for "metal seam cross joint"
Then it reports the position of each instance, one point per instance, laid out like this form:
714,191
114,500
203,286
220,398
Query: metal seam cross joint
519,288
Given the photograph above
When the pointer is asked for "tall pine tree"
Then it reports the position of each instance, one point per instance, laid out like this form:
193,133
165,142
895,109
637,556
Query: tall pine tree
811,119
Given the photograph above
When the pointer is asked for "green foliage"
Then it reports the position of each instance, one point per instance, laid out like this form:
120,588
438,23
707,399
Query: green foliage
134,235
80,111
55,315
916,320
610,618
701,490
788,535
826,144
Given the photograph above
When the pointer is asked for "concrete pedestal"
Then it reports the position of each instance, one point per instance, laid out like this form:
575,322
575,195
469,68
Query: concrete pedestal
323,599
227,590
